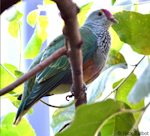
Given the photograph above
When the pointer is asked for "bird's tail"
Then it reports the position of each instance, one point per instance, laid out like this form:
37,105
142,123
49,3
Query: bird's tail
20,113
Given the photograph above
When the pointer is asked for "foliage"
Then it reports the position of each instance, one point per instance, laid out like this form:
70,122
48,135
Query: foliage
113,2
136,95
123,93
107,117
14,23
21,130
34,45
87,120
136,34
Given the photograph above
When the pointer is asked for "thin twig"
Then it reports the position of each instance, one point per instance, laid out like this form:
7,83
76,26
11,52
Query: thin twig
19,24
135,126
54,106
116,88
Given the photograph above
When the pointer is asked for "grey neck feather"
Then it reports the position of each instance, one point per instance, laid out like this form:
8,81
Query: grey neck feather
103,36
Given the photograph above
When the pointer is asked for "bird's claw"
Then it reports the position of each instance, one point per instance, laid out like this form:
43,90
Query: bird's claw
69,96
72,92
83,90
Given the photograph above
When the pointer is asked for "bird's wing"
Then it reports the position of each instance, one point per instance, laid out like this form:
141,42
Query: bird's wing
62,69
59,65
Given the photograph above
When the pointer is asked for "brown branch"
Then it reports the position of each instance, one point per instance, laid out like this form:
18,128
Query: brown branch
69,12
5,4
57,54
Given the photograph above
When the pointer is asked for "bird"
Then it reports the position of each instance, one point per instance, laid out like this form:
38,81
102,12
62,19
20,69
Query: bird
56,78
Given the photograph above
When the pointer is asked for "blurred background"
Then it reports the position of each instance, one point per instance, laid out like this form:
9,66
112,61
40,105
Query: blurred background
41,118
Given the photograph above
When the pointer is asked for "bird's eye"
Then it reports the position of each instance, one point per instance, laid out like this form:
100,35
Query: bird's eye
99,13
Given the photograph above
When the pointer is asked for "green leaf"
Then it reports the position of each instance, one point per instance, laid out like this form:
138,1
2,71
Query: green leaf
18,73
119,125
83,11
13,28
15,17
89,118
86,7
23,129
123,93
113,2
134,29
118,58
10,72
61,117
116,43
34,45
141,89
47,2
7,72
10,67
42,27
32,17
8,132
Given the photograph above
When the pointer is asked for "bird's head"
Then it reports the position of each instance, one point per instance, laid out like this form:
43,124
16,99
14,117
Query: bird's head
101,17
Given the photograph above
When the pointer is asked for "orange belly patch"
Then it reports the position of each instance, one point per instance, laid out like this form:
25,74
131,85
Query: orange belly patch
90,71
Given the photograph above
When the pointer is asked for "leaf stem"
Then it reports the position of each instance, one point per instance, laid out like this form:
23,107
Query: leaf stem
19,39
73,102
20,45
7,96
117,113
116,88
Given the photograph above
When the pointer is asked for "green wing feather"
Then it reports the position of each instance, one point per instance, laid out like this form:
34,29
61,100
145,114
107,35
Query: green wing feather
57,66
28,86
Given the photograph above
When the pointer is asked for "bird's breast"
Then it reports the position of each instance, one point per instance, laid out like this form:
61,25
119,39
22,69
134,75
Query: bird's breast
93,67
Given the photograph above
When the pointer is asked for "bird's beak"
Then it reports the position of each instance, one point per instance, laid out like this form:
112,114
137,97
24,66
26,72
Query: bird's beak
114,20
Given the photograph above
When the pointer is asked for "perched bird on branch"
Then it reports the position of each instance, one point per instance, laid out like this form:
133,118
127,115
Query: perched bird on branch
56,78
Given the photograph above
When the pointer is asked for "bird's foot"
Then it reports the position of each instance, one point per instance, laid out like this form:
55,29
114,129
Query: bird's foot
83,90
73,94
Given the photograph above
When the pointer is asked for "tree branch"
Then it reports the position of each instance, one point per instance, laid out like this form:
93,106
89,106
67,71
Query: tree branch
69,12
57,54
